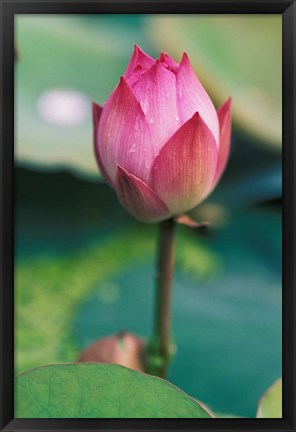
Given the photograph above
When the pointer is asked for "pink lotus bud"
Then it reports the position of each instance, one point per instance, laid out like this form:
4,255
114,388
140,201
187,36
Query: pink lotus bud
159,141
124,349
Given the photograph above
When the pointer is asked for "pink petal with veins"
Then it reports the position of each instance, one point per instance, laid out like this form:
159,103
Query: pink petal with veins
124,137
139,63
224,115
138,198
168,62
192,98
97,111
184,170
156,91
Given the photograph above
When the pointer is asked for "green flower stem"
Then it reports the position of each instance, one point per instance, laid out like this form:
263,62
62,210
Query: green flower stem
160,348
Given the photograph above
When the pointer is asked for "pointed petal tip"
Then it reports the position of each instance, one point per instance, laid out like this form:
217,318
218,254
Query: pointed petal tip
123,84
96,106
186,63
224,110
227,103
139,62
196,116
97,111
185,58
122,79
125,88
138,51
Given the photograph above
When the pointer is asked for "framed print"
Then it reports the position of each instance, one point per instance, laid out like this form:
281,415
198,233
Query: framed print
147,215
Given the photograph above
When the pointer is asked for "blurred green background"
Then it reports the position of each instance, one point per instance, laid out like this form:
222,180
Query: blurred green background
85,269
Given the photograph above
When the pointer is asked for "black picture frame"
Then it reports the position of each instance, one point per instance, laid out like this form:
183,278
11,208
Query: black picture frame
8,9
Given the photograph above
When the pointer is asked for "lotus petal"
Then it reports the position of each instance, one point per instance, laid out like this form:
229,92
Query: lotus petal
97,111
224,115
124,137
183,172
192,98
139,62
156,91
138,198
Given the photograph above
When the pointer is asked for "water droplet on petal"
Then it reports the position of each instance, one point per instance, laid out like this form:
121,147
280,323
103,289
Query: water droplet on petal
177,118
180,94
151,120
133,147
168,95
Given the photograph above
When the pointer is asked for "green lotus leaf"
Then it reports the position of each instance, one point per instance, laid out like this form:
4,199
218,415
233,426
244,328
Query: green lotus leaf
270,405
90,390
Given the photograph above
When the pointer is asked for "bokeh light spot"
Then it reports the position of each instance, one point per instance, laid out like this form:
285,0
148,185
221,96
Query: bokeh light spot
64,107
